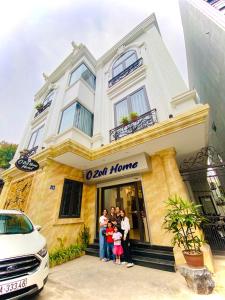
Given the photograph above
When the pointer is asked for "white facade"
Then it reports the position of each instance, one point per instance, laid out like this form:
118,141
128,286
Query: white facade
162,84
204,32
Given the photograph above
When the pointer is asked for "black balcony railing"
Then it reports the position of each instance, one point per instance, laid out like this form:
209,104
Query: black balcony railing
28,152
42,109
125,72
143,121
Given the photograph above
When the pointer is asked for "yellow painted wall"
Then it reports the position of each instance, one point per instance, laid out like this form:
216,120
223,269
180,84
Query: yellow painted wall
43,204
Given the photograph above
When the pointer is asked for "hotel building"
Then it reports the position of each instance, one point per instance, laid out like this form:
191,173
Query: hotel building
89,160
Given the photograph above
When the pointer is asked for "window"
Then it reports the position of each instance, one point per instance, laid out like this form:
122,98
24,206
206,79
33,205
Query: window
49,97
76,115
123,62
85,73
36,138
71,199
135,102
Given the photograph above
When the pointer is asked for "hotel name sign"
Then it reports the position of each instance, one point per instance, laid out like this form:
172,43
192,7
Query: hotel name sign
130,165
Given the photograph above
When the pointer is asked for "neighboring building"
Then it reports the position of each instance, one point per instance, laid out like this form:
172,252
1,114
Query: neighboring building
89,160
217,4
204,33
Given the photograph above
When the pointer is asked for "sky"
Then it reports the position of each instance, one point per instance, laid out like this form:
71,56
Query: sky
36,36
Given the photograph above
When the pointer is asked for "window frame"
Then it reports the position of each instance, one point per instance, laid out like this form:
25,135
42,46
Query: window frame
71,73
73,126
35,131
46,99
123,61
70,215
129,105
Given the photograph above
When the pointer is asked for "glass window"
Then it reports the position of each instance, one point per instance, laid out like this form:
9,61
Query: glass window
49,97
135,102
71,199
85,73
77,116
123,62
36,138
68,118
15,224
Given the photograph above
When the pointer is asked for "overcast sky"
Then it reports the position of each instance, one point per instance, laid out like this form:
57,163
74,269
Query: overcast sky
36,35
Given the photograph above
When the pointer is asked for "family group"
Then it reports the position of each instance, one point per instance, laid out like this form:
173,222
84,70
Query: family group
114,237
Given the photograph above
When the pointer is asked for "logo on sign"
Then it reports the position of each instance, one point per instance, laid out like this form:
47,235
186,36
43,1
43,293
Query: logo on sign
115,169
27,164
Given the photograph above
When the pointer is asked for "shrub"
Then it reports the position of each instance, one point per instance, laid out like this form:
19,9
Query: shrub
62,255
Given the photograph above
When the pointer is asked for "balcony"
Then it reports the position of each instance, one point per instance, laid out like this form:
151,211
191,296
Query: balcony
143,121
42,109
125,72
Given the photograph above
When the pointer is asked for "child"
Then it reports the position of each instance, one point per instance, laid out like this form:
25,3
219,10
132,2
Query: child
117,250
109,240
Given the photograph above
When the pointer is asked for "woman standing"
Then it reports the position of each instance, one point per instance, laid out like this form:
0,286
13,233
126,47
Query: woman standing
125,228
103,220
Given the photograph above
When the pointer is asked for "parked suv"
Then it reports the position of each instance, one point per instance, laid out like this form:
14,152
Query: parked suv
23,256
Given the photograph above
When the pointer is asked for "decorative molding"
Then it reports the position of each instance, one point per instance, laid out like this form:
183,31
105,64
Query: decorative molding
181,98
128,81
198,115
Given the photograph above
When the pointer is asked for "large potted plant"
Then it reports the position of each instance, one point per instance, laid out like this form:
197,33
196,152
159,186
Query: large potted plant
183,220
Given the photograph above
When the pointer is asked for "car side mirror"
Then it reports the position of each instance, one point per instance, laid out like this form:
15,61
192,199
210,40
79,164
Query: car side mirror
37,227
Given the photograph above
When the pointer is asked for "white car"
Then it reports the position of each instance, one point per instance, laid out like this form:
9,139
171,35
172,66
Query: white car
24,262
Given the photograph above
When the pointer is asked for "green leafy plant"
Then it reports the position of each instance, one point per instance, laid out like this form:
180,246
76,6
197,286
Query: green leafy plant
39,106
7,152
133,116
183,219
124,120
64,254
85,236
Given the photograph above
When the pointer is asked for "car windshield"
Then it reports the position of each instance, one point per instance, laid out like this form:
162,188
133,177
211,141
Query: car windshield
15,224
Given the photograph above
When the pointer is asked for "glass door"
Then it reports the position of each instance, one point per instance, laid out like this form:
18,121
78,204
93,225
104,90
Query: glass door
129,197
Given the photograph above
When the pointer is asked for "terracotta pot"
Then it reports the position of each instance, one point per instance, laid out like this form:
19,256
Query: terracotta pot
194,259
134,118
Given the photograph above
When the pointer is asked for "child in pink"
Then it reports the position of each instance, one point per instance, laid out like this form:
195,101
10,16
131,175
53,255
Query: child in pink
118,249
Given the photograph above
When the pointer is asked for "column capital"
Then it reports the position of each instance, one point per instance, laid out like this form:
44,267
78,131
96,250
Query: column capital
167,152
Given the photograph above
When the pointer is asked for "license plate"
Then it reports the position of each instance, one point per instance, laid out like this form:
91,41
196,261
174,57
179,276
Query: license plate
13,286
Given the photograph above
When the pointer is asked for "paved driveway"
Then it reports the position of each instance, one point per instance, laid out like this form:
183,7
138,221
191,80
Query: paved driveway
88,278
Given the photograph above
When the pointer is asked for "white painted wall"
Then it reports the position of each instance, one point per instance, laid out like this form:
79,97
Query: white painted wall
158,74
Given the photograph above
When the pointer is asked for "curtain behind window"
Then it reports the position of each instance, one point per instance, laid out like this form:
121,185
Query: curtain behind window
139,103
121,111
83,119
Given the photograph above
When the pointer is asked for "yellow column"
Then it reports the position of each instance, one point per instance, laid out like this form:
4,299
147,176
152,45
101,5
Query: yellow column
176,186
156,193
173,178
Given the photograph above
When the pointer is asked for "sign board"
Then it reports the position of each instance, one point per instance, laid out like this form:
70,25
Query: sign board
127,166
27,164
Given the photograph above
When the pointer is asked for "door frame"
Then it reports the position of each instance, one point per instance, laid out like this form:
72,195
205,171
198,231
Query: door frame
118,186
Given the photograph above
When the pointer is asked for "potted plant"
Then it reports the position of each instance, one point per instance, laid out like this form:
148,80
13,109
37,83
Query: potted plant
124,120
39,106
183,219
133,116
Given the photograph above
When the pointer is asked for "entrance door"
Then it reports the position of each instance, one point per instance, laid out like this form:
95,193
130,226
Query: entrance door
129,197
